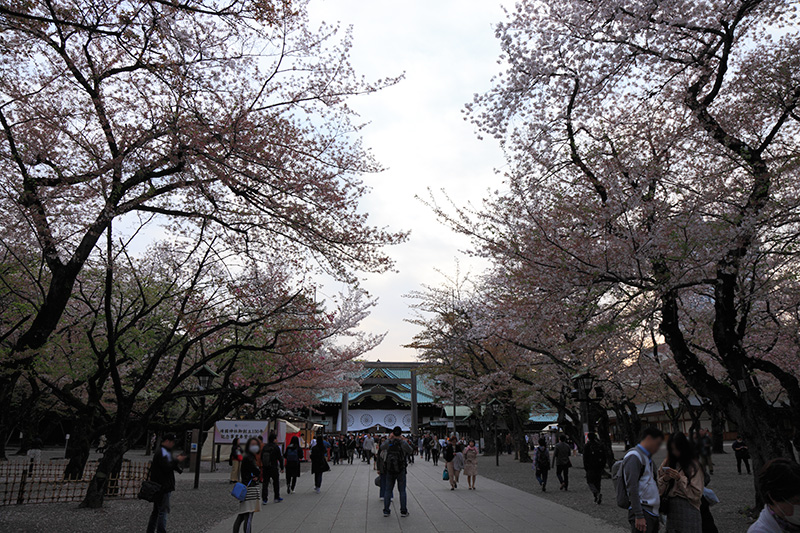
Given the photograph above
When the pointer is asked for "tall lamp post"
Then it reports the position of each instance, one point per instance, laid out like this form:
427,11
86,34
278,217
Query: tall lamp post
583,386
496,410
205,376
455,431
274,411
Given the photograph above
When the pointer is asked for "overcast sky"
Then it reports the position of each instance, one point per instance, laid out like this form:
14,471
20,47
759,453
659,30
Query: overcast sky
448,52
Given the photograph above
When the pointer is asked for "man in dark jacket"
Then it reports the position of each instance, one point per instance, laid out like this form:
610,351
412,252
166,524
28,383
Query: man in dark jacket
742,454
272,468
397,451
561,461
594,462
162,471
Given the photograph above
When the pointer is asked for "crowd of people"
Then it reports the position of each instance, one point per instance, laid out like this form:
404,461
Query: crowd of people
674,494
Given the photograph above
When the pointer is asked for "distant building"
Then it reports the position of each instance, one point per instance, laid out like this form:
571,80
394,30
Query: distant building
392,394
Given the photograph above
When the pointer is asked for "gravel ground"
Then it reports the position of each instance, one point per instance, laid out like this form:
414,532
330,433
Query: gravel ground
735,492
193,511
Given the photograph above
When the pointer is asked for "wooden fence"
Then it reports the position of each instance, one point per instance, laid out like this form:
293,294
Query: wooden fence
27,482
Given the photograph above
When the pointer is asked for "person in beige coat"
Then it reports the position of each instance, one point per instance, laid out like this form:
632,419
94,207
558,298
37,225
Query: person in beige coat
471,464
680,484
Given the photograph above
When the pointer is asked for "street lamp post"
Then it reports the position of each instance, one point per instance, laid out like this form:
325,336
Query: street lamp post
205,376
495,412
455,432
274,410
583,384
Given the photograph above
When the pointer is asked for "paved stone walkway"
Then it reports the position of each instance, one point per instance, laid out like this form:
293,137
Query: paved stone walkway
349,503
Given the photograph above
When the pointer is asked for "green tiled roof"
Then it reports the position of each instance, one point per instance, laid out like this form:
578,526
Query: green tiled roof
402,391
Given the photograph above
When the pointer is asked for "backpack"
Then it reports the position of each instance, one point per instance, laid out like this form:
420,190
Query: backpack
542,460
395,463
291,455
618,478
266,456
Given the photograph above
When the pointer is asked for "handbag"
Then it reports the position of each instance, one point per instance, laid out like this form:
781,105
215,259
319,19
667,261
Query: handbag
710,496
326,467
378,481
239,491
149,491
445,475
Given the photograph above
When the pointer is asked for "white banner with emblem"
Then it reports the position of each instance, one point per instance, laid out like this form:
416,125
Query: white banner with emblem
361,419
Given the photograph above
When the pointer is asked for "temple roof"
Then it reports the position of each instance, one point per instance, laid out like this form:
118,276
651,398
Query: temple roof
398,391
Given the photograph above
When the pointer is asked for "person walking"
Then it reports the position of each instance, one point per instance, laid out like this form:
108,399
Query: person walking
272,468
292,456
250,473
680,486
449,457
705,447
436,449
380,462
458,462
34,455
427,442
162,471
395,463
742,453
594,462
336,450
562,462
235,460
779,485
541,463
351,449
639,477
366,448
471,464
319,465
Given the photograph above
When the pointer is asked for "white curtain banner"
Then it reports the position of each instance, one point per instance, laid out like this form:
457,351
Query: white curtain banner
227,430
361,419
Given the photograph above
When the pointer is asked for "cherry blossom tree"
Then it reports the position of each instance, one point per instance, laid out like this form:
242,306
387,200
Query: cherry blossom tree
653,155
231,117
124,359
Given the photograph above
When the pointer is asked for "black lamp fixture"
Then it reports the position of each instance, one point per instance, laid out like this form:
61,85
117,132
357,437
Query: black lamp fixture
274,405
205,376
583,381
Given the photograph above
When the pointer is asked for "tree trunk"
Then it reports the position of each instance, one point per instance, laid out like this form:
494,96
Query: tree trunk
4,432
519,436
603,430
487,428
631,424
569,428
78,455
108,467
717,429
759,423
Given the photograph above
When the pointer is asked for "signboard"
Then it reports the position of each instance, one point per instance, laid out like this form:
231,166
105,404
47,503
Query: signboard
227,430
194,447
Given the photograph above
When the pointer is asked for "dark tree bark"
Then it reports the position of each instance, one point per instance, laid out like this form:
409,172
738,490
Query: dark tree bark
78,450
518,429
603,430
717,429
109,466
759,423
629,422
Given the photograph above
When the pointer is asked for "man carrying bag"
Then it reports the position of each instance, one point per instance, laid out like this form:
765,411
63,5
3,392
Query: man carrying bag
162,473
